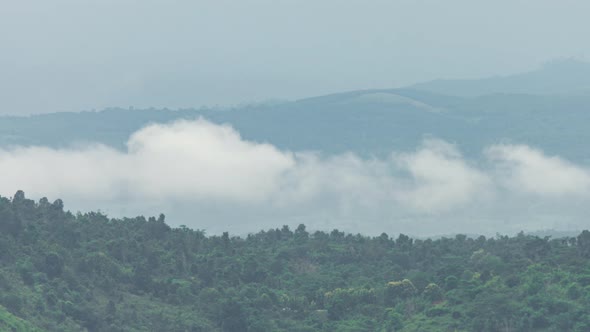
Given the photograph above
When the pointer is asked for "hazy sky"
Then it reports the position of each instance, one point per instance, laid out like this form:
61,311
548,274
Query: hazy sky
76,55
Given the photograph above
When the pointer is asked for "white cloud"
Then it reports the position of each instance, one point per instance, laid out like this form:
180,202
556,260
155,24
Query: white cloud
90,172
441,179
184,160
196,160
522,168
206,176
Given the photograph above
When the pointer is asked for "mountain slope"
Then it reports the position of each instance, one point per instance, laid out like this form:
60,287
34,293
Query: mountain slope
367,122
558,77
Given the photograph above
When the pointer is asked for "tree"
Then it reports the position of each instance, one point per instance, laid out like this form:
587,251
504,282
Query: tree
232,317
433,293
54,265
9,222
397,290
300,233
583,242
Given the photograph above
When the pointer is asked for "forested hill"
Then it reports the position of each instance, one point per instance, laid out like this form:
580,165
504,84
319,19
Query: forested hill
65,272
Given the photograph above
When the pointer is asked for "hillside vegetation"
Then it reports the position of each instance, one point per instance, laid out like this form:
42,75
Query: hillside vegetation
65,272
9,322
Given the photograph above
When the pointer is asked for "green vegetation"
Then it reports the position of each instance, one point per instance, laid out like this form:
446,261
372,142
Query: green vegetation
9,322
65,272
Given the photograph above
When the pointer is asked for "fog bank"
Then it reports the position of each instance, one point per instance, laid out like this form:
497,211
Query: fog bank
206,176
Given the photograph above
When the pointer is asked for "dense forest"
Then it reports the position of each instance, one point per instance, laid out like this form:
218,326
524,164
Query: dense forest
70,272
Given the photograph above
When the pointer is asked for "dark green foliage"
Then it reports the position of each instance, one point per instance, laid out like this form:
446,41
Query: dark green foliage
65,272
9,322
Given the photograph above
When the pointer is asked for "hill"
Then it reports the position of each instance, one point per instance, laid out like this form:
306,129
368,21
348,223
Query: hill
66,272
566,76
369,123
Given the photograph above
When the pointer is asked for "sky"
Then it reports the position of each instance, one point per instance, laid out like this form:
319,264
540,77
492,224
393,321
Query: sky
72,55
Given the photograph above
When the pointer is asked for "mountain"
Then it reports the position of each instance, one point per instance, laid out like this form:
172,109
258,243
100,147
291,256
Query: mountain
369,123
547,109
557,77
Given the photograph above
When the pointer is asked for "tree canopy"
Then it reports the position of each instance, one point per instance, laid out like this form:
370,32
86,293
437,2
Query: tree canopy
69,272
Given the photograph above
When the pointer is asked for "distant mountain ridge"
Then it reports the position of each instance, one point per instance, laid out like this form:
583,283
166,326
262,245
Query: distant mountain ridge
557,77
367,122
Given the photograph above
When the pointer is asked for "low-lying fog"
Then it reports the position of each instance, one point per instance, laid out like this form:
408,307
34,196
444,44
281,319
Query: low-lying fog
207,177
